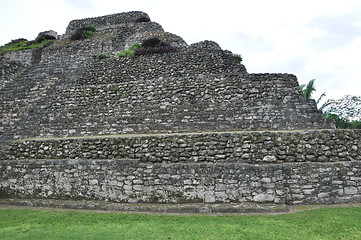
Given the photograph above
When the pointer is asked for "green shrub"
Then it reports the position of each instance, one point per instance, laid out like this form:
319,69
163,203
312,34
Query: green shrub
23,44
148,46
44,37
101,56
154,45
130,51
238,57
142,19
152,42
90,28
342,123
83,33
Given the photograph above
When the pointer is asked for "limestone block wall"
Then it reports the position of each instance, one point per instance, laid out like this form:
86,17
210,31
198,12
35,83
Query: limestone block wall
28,98
123,34
174,40
17,98
188,104
22,91
124,30
105,21
110,40
164,114
27,80
315,167
186,63
240,147
67,92
24,85
10,70
129,181
24,57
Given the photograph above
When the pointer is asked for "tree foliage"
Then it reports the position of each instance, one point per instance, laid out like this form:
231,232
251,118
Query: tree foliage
83,33
342,123
347,107
345,111
308,90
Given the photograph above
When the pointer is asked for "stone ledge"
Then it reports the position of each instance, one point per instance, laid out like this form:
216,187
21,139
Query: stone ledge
136,135
208,209
151,208
254,147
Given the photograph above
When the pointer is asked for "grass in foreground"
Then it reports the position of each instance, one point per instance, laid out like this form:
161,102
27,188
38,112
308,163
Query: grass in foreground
327,223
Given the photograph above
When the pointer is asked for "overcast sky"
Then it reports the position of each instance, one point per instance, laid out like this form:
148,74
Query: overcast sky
309,38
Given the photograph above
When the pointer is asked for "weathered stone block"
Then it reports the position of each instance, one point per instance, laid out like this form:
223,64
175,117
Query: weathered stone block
350,190
263,198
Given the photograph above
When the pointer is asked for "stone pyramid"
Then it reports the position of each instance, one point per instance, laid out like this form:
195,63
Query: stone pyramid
186,126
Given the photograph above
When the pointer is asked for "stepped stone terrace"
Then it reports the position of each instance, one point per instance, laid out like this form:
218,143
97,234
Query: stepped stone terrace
187,126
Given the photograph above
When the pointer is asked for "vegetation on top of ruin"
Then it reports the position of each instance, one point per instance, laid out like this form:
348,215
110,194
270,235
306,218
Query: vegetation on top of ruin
23,44
142,19
101,56
130,52
238,57
149,46
83,33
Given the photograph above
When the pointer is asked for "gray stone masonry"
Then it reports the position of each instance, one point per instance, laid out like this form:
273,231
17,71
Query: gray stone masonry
105,21
191,126
272,167
246,147
296,167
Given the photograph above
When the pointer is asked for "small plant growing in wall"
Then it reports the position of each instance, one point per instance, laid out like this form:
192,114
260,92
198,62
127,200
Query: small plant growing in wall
130,51
83,33
152,42
142,19
41,39
148,46
44,37
101,56
238,57
154,45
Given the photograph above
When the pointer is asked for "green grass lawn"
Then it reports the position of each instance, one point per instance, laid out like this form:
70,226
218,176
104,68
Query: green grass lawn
326,223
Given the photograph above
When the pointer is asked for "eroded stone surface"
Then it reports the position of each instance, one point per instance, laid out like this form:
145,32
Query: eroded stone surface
175,105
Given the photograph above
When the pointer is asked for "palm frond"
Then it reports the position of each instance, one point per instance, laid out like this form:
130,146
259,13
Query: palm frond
310,88
320,98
